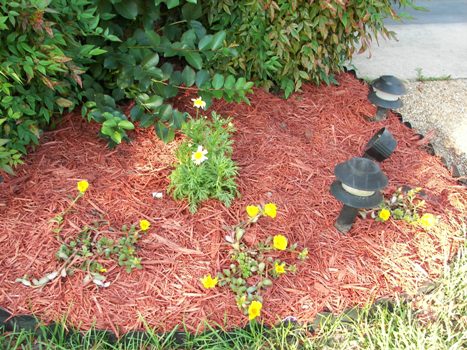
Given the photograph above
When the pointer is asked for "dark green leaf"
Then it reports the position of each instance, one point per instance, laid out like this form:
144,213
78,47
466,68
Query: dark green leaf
150,60
136,113
165,112
218,40
239,85
147,120
202,76
176,78
218,81
194,59
153,102
188,76
164,133
188,38
229,82
205,42
172,3
167,69
196,25
127,9
178,119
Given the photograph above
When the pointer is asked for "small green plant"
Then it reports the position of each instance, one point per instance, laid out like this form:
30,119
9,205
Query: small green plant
90,251
253,269
421,77
407,206
82,187
205,168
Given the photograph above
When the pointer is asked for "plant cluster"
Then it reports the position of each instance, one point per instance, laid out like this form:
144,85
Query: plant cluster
41,66
102,53
407,206
253,269
89,250
205,168
285,42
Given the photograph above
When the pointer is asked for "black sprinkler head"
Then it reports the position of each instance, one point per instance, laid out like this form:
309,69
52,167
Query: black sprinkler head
380,146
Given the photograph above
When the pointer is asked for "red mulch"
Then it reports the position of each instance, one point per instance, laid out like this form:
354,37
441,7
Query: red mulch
286,151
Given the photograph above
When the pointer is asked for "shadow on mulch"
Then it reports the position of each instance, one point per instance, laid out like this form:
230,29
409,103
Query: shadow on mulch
286,151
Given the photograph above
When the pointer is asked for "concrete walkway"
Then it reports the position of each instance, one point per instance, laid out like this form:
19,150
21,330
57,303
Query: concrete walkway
435,44
434,41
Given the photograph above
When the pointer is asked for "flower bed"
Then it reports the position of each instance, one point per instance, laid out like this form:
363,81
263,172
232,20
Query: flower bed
286,152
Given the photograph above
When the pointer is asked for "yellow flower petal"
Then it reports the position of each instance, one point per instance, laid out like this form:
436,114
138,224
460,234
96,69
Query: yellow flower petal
82,186
270,210
279,268
252,210
427,221
254,310
279,242
144,225
384,214
209,282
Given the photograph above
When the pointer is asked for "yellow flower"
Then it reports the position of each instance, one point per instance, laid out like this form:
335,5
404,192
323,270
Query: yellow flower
254,310
252,210
279,242
384,214
209,282
144,225
279,268
199,103
82,186
427,221
103,270
270,210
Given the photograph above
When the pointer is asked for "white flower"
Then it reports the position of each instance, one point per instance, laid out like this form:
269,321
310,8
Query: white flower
199,103
199,156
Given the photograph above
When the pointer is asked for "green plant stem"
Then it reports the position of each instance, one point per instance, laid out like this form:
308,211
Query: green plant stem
63,213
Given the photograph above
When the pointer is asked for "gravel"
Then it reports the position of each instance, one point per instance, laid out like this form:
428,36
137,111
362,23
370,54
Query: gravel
440,108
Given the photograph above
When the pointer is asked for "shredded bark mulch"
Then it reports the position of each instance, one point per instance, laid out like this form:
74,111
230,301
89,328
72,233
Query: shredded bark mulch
286,151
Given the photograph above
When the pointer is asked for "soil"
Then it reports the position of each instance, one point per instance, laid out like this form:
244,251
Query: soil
286,151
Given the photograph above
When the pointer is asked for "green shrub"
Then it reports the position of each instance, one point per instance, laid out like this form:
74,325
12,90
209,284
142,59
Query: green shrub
205,168
41,67
59,53
286,42
154,49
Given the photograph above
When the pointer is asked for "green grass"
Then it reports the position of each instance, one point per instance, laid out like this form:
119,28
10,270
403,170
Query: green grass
421,77
437,320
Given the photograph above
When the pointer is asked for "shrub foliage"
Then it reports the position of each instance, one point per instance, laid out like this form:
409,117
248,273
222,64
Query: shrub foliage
100,54
60,53
286,42
41,64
